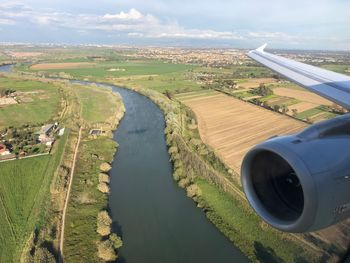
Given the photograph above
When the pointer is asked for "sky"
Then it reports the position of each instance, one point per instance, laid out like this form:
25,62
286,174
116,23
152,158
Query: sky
285,24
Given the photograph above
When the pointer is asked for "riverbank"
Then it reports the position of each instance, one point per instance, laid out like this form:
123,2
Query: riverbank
87,107
88,235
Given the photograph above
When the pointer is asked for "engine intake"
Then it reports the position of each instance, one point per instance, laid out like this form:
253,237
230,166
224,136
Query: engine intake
301,183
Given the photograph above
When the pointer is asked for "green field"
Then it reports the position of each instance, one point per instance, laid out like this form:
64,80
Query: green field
175,82
96,103
123,68
336,67
24,187
42,102
3,57
20,182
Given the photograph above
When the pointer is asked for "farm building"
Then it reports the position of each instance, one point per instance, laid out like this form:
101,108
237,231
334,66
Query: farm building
45,134
4,150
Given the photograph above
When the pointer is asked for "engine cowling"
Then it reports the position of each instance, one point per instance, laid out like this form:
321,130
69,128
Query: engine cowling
301,182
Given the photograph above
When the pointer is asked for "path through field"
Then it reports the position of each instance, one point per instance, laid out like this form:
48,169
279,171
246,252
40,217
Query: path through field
60,248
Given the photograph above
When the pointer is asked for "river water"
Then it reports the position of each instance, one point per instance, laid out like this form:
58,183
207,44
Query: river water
157,221
6,68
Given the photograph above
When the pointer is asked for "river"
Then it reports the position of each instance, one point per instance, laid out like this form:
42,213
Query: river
157,221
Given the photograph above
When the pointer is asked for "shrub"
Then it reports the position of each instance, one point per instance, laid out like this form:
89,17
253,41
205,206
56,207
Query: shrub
103,187
117,241
103,223
105,167
106,250
42,255
193,190
103,178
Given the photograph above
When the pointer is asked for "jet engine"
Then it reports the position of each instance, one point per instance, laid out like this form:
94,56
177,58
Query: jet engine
301,182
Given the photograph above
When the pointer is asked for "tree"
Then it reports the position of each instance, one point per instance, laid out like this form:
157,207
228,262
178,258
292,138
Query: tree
43,255
116,241
103,223
295,112
276,107
106,250
262,90
284,109
168,94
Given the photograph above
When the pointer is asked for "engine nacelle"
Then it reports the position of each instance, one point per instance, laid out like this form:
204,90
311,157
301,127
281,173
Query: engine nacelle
301,182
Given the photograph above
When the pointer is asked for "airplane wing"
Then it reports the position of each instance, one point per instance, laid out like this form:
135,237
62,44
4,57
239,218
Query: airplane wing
328,84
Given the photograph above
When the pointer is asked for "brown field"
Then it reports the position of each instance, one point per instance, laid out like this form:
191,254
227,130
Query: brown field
254,83
302,106
231,127
25,54
7,101
279,101
71,65
302,95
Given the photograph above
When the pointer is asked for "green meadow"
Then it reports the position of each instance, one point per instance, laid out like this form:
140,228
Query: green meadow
39,102
24,191
97,104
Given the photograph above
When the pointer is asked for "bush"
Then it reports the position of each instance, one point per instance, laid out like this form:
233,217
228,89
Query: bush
106,250
42,255
104,223
103,187
105,167
193,191
117,241
103,178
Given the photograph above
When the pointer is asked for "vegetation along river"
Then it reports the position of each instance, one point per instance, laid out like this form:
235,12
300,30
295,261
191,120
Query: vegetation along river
157,221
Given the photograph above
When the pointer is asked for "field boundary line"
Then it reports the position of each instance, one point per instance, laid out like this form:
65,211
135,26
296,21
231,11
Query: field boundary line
61,243
7,216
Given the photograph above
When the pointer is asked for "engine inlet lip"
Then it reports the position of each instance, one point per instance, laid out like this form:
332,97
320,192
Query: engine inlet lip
306,218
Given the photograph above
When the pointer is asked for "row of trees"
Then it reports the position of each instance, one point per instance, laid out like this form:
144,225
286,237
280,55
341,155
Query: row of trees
5,92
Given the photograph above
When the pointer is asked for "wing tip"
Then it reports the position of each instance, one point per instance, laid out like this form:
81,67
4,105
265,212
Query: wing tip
262,48
259,49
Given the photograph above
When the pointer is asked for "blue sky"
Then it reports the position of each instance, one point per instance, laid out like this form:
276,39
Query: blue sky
297,24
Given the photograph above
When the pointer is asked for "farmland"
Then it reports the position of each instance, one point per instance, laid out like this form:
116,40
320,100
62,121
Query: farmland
20,182
232,127
98,105
39,102
24,187
108,69
67,65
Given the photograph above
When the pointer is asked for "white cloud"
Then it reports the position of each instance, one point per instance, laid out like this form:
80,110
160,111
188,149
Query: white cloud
133,14
8,22
135,24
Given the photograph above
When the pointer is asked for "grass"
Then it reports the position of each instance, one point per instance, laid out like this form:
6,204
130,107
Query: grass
80,234
20,182
96,103
3,57
24,186
86,201
309,113
246,230
175,82
126,68
39,110
336,67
